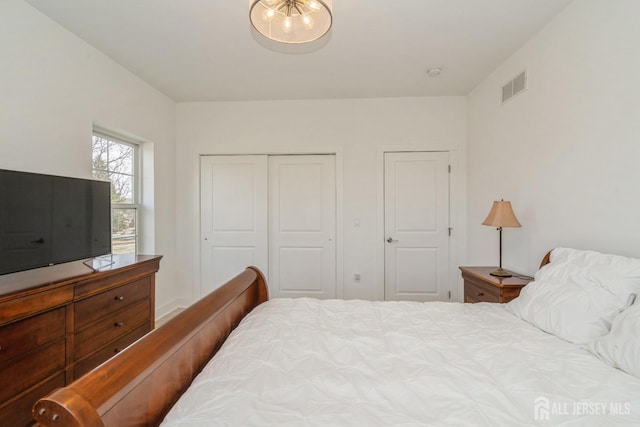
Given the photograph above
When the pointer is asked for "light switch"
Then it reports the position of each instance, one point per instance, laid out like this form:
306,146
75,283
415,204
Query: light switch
356,222
356,277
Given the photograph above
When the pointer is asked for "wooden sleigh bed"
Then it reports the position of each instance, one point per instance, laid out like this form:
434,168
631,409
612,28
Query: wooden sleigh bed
140,385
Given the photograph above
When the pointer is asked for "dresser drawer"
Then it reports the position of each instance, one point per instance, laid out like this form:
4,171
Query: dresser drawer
110,350
95,307
23,372
94,285
474,293
35,303
20,337
18,412
111,328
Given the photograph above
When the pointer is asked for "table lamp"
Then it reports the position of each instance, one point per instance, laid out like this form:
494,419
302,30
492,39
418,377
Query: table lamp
501,215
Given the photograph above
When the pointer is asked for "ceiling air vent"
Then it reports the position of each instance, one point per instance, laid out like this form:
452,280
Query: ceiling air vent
514,87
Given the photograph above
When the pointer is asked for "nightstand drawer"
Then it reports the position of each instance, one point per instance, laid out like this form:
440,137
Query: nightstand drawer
481,286
478,294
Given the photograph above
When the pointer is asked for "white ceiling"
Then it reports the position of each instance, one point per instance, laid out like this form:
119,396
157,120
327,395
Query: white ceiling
204,50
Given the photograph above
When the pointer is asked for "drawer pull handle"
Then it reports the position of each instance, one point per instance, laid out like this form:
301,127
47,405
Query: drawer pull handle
119,298
55,417
480,294
118,324
116,350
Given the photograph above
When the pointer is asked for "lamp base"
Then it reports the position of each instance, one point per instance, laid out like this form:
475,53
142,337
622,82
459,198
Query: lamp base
500,272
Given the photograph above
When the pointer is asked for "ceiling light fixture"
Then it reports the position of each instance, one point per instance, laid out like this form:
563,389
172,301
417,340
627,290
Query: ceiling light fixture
291,21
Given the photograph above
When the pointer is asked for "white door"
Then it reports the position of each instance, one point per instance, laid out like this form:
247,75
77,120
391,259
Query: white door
416,205
233,215
302,224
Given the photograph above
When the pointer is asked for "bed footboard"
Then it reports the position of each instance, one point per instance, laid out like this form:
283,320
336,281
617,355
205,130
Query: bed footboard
139,386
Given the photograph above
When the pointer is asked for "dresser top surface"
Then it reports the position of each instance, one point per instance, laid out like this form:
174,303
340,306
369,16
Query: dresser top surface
64,274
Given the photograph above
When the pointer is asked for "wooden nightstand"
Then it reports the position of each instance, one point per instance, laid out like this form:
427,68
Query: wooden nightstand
480,286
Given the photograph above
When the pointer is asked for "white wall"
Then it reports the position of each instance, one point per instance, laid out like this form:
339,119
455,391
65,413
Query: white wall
358,130
567,151
54,88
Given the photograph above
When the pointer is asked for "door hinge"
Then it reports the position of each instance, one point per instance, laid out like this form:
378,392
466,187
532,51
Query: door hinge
449,168
450,231
449,295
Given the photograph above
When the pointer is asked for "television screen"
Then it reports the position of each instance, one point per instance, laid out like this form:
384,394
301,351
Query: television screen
46,220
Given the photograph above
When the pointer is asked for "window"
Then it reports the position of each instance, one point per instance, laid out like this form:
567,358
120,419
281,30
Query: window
116,160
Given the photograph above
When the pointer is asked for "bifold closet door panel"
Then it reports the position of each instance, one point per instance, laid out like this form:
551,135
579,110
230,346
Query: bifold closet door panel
233,217
302,226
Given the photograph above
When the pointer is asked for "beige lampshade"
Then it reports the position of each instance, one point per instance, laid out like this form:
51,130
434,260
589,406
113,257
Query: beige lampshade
501,215
291,21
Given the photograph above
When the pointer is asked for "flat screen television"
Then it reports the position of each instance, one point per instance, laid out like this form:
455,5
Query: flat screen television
47,220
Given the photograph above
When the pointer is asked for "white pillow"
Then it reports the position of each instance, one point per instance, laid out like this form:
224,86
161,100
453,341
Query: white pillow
621,347
578,294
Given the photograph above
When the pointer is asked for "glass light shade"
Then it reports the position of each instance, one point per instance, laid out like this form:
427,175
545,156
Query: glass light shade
274,25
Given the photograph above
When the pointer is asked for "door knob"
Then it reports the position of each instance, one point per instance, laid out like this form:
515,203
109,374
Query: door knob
391,240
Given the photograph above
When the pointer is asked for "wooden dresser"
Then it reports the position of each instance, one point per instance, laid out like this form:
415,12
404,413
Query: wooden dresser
59,322
480,286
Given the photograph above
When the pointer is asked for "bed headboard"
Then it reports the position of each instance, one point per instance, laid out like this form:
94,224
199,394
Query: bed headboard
140,385
546,260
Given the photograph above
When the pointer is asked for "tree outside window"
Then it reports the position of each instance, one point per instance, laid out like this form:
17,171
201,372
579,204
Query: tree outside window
116,161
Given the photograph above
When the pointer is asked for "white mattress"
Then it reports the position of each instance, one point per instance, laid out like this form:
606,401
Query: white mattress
307,362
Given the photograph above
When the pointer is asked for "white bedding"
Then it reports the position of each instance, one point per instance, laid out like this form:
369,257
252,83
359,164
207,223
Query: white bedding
308,362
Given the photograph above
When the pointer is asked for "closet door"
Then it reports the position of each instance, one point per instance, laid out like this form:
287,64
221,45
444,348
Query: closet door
233,216
302,224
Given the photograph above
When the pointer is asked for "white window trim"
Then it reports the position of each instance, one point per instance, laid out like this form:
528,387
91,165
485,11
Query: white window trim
137,178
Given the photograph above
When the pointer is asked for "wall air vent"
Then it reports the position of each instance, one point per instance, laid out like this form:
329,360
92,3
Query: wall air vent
514,87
